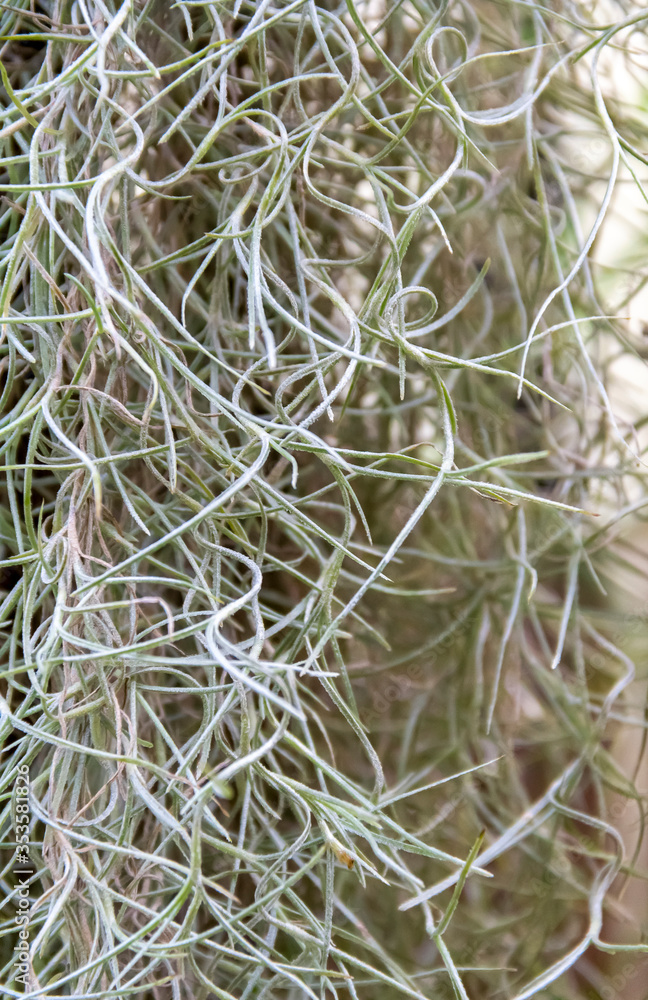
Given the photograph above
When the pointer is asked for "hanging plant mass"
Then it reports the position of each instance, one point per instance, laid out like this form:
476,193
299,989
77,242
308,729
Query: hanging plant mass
323,559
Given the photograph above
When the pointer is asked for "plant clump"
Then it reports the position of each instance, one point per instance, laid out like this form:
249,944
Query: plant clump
320,611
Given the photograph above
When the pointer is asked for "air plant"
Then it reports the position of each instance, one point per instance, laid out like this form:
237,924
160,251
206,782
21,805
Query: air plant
315,498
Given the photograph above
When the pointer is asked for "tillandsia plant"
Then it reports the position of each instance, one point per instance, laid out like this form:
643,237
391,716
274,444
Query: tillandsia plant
320,620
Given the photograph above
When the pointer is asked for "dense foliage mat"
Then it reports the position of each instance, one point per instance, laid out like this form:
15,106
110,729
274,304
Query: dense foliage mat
315,499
